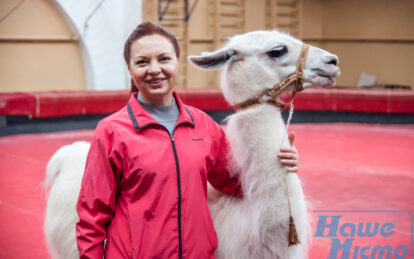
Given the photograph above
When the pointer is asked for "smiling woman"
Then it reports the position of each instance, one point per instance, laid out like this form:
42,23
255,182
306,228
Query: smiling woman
136,48
142,172
153,66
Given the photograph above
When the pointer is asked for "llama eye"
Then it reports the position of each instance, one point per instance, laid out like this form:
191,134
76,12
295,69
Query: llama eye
277,52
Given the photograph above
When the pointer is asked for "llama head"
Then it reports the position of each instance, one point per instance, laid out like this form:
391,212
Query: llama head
257,61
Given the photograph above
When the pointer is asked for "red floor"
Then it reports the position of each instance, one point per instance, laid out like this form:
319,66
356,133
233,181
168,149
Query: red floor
355,170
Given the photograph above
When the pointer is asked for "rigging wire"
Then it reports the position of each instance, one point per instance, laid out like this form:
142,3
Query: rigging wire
91,15
12,10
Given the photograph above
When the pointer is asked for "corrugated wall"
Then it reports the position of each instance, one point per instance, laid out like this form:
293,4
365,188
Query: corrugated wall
371,36
284,15
37,48
40,52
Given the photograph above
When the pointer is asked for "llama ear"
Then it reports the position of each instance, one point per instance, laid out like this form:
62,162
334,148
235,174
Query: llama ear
213,60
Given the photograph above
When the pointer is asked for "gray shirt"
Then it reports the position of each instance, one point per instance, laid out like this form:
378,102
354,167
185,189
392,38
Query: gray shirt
166,115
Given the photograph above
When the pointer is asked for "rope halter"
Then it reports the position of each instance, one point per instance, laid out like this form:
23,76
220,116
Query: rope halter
271,96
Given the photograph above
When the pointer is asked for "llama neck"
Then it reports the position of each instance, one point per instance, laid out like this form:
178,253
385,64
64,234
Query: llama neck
256,135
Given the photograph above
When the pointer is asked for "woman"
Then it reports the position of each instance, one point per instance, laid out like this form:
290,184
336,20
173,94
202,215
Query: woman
145,184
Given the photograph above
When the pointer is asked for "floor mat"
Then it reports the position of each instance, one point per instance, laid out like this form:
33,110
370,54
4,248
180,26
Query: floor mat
358,179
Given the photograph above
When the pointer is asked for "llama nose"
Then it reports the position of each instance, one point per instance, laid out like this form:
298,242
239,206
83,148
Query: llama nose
331,60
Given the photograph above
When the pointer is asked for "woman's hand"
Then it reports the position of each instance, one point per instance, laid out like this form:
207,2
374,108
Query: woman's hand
289,155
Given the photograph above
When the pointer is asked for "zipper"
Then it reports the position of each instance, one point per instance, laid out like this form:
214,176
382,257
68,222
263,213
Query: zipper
177,166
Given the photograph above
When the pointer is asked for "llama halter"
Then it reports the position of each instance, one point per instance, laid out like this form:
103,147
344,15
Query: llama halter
271,96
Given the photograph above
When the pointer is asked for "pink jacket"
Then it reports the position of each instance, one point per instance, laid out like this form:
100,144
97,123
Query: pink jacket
146,191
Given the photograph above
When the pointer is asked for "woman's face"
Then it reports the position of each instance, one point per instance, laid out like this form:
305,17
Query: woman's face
154,68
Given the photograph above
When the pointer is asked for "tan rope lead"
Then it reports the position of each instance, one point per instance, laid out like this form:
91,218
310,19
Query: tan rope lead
293,237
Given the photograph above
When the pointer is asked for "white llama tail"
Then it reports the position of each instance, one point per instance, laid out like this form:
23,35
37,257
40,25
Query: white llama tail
64,174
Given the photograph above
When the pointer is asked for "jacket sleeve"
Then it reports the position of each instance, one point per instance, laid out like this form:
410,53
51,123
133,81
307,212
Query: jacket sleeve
219,176
97,195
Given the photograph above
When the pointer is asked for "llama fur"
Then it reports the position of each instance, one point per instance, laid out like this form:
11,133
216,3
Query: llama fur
64,174
255,226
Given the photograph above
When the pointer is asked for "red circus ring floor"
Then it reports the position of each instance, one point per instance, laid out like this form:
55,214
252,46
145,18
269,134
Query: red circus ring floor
343,167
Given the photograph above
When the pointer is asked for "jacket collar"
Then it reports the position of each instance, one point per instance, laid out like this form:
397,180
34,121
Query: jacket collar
141,118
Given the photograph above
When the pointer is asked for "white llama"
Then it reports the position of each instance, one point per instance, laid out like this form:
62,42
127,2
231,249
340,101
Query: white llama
255,226
254,63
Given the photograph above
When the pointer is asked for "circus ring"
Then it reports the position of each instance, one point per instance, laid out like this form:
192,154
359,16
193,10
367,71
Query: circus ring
356,163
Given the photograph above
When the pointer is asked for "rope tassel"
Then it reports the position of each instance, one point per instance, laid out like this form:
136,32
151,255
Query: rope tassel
293,238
